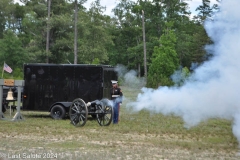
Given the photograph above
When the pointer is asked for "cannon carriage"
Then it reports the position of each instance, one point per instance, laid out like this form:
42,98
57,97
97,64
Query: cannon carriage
101,109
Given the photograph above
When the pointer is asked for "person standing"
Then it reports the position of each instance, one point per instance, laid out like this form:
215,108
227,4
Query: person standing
116,96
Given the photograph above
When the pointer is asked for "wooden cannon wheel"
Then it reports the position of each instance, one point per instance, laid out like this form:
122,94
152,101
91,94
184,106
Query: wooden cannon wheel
78,112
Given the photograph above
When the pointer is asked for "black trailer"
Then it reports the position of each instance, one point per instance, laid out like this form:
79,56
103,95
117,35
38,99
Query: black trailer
54,87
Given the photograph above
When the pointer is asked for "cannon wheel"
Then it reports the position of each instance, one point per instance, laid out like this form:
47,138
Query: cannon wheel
104,114
78,112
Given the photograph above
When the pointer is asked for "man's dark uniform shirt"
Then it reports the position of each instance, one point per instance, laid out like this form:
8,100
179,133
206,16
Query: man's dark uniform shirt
115,93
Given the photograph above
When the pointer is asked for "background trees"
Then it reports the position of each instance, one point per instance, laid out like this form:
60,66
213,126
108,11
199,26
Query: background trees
173,39
164,60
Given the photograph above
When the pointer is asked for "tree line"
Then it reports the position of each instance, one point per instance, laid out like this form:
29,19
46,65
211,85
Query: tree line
64,31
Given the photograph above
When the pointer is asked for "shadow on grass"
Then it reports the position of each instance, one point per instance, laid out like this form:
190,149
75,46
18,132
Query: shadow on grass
48,116
37,115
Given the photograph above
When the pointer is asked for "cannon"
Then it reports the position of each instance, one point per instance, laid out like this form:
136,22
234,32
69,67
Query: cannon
101,109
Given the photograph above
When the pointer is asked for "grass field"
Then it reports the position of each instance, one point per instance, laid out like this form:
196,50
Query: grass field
141,135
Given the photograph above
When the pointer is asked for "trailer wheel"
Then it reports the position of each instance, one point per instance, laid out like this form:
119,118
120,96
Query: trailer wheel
58,112
104,114
78,112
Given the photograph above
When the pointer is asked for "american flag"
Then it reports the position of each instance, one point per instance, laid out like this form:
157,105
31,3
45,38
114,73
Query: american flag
7,68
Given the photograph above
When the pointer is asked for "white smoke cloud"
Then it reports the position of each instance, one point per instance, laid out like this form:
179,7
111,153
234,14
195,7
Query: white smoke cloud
213,91
129,77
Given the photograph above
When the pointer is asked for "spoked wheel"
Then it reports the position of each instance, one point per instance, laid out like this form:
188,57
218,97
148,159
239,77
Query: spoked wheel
78,112
104,113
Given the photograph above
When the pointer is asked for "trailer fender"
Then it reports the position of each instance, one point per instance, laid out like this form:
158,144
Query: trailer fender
66,105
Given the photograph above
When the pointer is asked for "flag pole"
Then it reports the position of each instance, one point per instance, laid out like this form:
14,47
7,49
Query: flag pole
3,69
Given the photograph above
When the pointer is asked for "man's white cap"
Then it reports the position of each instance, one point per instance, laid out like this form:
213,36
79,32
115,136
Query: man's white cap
114,81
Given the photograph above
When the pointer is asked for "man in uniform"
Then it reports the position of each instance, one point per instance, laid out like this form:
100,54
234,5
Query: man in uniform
116,96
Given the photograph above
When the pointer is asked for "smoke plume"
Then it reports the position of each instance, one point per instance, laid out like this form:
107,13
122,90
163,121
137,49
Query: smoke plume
129,78
213,91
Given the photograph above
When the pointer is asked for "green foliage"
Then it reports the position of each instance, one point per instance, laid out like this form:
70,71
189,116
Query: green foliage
103,39
5,9
11,50
96,61
165,60
17,74
126,36
94,35
205,11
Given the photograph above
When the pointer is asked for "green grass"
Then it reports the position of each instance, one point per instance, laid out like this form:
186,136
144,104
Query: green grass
141,135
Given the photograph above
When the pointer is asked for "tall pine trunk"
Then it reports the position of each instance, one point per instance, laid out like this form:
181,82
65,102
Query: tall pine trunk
48,30
75,31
